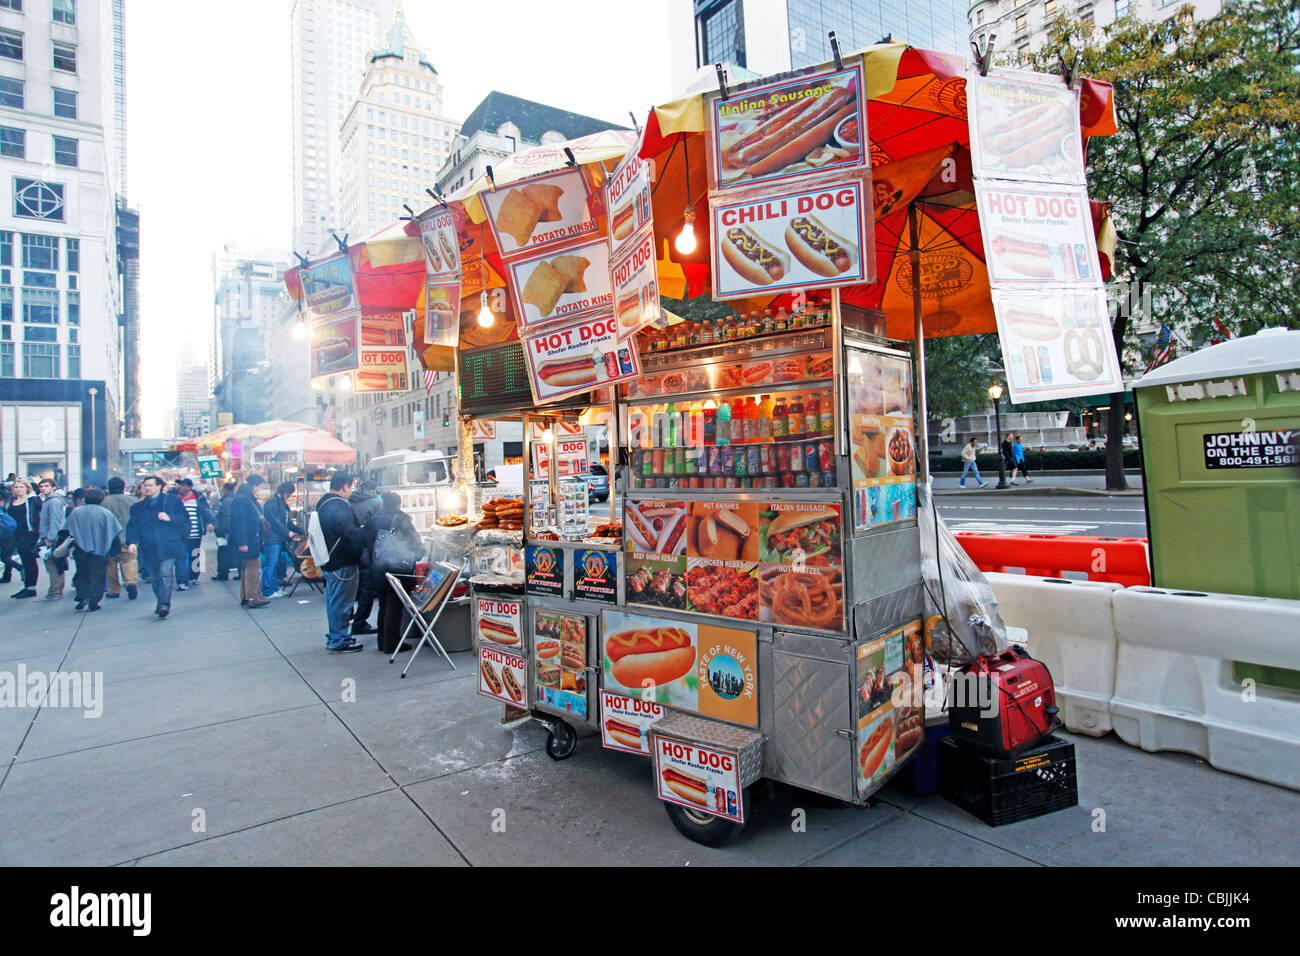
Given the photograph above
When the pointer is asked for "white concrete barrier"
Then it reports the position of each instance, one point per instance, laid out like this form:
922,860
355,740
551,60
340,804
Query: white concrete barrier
1072,631
1174,685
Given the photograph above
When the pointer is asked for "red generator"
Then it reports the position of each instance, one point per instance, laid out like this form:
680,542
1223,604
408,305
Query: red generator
1002,704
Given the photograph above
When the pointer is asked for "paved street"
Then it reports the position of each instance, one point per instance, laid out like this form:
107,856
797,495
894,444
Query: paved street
226,738
1090,515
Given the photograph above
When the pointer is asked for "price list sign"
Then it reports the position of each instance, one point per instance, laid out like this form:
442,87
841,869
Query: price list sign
493,377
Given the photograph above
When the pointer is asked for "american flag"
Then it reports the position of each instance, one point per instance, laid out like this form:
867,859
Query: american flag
428,381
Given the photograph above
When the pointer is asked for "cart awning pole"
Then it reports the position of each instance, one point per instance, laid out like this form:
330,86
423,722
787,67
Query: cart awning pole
923,412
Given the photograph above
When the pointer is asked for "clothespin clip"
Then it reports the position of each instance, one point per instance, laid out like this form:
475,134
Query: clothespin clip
569,160
302,260
835,51
722,81
635,124
410,213
342,243
492,179
983,57
1069,73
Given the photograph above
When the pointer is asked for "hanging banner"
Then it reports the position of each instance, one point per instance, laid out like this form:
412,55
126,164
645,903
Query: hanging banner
573,283
383,330
442,313
334,344
382,370
627,199
547,212
334,315
782,130
636,286
441,247
577,357
328,287
1037,235
1056,343
480,430
1024,126
817,236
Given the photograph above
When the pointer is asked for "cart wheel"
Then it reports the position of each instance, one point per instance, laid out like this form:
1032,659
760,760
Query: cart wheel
561,742
701,827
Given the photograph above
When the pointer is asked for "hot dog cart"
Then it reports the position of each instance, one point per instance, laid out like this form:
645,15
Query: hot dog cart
761,617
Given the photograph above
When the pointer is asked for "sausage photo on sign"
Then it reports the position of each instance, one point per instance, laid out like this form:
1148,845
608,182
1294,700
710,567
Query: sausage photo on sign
568,373
817,248
781,136
754,260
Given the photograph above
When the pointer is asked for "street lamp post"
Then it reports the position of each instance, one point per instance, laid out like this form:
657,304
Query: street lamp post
995,393
94,461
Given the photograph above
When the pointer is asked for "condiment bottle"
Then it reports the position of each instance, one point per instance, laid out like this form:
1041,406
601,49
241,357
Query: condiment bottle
769,323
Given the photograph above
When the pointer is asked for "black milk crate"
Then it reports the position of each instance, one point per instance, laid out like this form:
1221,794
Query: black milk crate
1001,790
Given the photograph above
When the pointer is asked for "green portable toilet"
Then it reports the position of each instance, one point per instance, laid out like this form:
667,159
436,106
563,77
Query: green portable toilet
1220,432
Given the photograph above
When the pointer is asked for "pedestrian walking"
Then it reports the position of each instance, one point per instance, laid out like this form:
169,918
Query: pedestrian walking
279,538
365,503
24,509
393,546
226,560
346,544
121,571
1018,452
968,462
95,532
202,520
54,513
246,534
157,531
1007,448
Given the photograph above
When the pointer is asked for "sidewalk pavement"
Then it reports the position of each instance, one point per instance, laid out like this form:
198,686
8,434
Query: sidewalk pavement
1043,483
230,736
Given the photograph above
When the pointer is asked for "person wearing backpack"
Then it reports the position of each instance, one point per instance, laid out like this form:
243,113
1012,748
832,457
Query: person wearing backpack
394,546
7,544
337,546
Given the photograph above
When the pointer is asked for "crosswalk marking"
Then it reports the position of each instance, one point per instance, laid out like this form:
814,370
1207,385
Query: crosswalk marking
1022,527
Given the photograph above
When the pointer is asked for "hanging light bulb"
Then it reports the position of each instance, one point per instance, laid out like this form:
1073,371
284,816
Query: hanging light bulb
548,435
300,329
485,316
345,383
685,242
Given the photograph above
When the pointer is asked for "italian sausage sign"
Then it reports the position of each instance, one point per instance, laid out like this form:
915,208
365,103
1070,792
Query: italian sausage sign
765,241
571,358
1025,127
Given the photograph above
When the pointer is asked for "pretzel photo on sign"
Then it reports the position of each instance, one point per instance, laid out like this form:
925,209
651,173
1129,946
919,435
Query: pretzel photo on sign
1085,354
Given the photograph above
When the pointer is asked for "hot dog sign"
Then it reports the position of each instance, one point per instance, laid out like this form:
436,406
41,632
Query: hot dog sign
1037,235
699,778
586,354
812,237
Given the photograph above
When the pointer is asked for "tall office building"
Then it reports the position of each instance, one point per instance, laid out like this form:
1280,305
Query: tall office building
64,246
330,42
764,37
1021,28
395,136
249,300
193,397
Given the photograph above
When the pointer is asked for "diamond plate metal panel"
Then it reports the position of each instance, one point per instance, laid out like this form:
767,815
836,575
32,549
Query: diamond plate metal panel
747,745
811,701
889,610
885,561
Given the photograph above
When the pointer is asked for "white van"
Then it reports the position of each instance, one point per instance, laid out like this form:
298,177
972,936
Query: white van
398,469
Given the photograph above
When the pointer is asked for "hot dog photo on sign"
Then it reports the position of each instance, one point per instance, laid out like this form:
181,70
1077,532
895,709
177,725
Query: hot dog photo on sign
1025,130
651,658
808,125
1035,236
813,237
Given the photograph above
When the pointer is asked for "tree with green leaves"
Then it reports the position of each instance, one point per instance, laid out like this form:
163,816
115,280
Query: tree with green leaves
1204,172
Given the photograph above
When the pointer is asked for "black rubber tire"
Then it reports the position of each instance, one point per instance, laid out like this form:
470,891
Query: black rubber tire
561,742
693,825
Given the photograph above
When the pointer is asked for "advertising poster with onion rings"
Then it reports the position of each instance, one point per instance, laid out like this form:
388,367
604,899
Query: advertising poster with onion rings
441,245
1056,343
563,284
1037,235
576,357
636,286
1025,128
501,674
500,621
625,722
627,200
787,129
815,237
546,212
701,668
800,576
700,778
882,447
890,706
560,652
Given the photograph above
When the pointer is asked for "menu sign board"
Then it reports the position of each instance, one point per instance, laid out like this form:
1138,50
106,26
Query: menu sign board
700,778
543,570
1024,128
1037,236
560,655
787,129
1057,343
625,722
595,576
334,343
546,212
882,448
499,621
501,674
328,288
776,562
563,284
442,313
576,357
890,706
701,668
440,244
334,313
636,286
627,201
382,369
765,241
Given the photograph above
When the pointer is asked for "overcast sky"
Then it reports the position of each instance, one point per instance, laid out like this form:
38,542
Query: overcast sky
209,148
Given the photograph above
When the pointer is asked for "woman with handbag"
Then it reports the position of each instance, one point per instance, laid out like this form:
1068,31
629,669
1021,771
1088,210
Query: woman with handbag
25,508
394,546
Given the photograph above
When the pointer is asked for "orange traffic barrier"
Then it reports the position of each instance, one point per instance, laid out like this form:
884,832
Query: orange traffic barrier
1121,560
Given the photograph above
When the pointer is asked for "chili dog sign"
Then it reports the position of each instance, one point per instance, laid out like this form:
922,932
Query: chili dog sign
441,247
699,778
574,358
817,236
501,675
636,286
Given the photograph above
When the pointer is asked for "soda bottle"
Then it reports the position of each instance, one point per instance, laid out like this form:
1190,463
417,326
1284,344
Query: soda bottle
671,423
812,417
782,458
755,464
751,420
794,415
828,414
766,459
710,427
737,421
722,424
765,408
780,419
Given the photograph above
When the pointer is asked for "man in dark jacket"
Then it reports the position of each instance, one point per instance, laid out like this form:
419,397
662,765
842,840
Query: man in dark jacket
346,544
246,540
226,560
365,504
393,546
277,539
97,533
156,531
